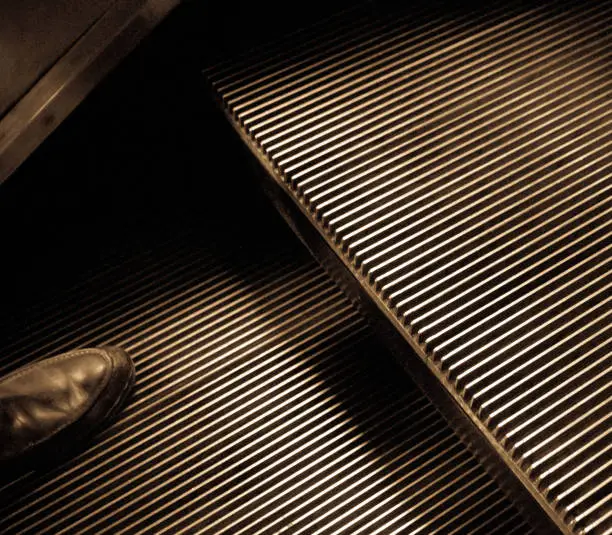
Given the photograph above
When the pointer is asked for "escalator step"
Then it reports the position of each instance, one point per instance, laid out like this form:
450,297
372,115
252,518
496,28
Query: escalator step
458,162
263,404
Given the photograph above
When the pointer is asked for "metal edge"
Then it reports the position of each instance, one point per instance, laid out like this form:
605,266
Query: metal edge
38,113
495,460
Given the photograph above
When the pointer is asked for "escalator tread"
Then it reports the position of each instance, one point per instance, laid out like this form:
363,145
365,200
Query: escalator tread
263,404
458,162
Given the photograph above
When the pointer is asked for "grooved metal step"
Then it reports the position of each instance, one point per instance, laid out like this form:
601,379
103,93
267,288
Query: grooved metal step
263,405
459,164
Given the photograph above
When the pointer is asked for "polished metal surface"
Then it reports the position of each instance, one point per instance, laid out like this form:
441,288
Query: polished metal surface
263,404
459,162
77,48
34,34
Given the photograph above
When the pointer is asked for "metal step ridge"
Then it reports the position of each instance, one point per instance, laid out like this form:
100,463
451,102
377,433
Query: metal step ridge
459,165
263,404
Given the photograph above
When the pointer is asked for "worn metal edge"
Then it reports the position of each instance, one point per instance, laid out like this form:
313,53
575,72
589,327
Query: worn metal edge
54,96
478,439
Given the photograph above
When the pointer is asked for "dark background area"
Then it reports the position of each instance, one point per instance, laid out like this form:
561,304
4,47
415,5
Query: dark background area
146,152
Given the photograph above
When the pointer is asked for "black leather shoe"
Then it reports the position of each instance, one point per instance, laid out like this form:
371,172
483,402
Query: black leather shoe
50,407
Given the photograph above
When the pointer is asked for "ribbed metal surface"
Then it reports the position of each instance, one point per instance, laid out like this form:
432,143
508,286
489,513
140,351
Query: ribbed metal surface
262,405
461,164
